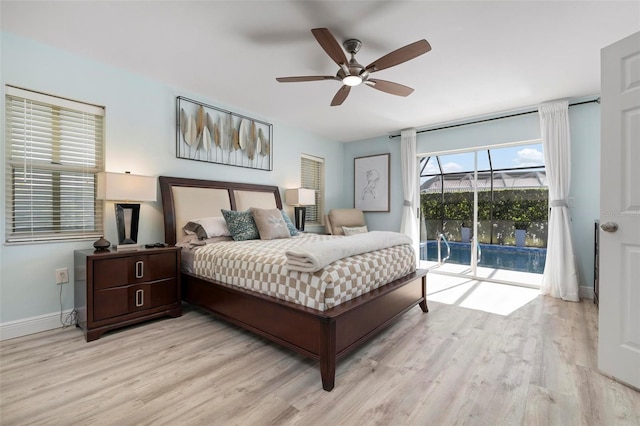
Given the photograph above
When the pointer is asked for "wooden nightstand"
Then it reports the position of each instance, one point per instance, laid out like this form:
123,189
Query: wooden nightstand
117,288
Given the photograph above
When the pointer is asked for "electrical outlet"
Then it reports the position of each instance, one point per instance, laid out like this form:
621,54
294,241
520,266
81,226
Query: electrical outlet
62,275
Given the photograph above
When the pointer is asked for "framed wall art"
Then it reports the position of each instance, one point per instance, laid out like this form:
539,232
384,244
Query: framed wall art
371,183
213,135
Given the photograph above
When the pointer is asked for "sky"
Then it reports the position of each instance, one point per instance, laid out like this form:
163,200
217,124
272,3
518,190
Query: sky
515,156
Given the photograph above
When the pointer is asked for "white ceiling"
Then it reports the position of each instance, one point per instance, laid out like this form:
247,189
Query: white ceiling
487,57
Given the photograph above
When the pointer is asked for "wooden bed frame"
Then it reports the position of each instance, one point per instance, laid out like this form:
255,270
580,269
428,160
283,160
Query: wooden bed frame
326,335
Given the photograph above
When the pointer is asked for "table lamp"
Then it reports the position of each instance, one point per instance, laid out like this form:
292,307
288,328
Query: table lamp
126,187
299,198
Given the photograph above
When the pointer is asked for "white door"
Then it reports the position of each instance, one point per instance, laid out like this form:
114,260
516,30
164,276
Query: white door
619,324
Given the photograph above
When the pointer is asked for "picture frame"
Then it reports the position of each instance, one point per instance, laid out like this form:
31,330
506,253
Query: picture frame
214,135
371,175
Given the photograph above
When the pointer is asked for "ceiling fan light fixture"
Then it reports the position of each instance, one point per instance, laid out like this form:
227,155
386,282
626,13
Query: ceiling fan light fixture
351,73
352,80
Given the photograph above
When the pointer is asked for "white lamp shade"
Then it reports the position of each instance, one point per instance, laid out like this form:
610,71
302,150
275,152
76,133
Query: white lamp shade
300,197
126,187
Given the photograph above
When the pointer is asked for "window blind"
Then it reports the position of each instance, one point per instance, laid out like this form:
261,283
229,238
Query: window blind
312,177
54,148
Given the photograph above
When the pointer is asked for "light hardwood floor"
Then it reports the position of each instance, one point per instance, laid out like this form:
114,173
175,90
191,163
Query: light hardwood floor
454,365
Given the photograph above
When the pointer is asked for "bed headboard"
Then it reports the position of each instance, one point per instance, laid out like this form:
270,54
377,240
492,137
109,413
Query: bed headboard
185,199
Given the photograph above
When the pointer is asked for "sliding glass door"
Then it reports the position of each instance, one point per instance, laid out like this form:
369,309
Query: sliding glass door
447,190
485,208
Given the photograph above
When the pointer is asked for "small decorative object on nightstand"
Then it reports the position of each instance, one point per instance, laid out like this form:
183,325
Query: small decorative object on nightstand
101,244
114,289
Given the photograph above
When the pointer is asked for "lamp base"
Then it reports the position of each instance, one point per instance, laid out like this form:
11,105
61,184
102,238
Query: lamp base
127,219
300,212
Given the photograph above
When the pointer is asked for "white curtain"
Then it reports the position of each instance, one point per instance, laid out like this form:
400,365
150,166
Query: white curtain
409,162
560,279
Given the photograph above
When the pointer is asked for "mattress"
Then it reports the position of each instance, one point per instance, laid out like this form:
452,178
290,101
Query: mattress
260,266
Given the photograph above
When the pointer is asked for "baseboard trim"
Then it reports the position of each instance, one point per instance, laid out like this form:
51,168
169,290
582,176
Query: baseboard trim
586,292
27,326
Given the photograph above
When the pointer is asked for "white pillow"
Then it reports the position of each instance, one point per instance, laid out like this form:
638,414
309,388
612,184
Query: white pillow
212,226
353,230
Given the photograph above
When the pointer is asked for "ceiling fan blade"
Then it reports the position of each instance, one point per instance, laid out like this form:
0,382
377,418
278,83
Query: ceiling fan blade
390,87
342,94
399,56
305,78
330,45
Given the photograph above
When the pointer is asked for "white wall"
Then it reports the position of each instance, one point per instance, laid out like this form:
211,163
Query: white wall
140,137
585,174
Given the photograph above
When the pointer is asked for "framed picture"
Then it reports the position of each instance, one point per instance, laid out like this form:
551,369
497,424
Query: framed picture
371,183
213,135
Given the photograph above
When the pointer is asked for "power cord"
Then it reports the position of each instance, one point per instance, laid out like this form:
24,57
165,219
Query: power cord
71,319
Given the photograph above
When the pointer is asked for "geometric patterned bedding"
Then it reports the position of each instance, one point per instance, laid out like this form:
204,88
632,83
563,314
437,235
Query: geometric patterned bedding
260,265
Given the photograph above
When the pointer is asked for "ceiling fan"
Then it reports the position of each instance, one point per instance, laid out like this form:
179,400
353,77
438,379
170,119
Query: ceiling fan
351,73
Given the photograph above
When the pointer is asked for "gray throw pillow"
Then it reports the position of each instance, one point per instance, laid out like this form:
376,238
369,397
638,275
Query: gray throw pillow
270,223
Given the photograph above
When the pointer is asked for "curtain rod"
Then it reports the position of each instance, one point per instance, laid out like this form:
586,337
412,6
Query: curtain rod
494,118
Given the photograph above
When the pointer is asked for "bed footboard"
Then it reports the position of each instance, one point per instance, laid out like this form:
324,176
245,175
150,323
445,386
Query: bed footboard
355,322
325,336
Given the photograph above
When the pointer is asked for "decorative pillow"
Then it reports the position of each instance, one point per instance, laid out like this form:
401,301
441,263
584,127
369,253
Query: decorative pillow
208,227
270,223
353,230
193,228
292,228
241,225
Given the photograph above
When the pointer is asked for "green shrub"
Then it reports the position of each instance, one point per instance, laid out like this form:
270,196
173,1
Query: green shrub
519,208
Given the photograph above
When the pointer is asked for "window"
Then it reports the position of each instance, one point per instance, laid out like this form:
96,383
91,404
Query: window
54,150
312,177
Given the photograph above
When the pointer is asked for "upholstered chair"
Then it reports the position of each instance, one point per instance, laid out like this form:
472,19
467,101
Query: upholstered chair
337,218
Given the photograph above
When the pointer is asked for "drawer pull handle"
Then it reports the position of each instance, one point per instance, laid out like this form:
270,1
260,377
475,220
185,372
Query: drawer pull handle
139,269
139,298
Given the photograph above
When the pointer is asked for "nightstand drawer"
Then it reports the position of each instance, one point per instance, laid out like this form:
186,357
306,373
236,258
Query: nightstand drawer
120,271
113,302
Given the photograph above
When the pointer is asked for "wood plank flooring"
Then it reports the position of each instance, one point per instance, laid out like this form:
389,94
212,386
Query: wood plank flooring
452,366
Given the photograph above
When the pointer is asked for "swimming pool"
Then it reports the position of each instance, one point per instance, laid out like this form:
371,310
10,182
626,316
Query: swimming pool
525,259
